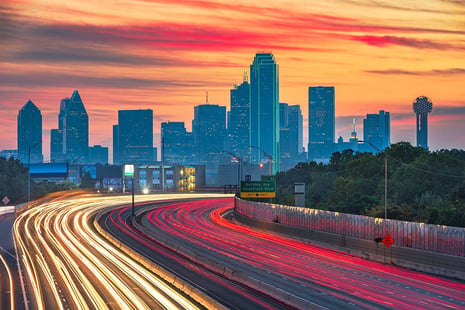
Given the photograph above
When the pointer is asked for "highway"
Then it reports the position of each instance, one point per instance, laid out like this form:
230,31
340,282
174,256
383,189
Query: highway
69,265
88,252
324,278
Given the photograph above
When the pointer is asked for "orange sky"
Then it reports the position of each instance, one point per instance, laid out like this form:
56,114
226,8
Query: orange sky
165,56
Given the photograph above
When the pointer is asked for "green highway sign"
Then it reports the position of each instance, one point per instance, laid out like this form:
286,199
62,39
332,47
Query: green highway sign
268,178
258,189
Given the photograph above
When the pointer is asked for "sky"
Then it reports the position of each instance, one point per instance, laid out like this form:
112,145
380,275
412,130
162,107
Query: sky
165,55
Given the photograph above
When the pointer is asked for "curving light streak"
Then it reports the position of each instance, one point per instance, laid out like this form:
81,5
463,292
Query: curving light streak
364,283
68,261
10,281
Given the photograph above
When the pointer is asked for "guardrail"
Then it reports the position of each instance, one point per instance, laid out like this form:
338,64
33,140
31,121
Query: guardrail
436,238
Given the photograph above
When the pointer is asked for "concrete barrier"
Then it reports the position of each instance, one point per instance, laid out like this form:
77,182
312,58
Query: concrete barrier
420,260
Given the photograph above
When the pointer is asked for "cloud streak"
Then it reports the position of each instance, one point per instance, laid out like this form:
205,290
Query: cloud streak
434,72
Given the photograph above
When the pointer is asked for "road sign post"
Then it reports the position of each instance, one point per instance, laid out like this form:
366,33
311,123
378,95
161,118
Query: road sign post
258,189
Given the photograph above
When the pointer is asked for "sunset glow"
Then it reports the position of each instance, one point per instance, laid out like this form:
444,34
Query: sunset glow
139,54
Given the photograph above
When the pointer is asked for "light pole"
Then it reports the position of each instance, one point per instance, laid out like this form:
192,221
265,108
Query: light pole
239,169
29,171
385,174
266,154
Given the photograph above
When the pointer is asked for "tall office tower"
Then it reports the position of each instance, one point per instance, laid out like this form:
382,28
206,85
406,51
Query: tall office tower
56,145
56,135
291,135
116,155
208,129
264,110
377,130
422,106
98,155
238,120
321,123
177,144
30,134
75,129
134,139
295,124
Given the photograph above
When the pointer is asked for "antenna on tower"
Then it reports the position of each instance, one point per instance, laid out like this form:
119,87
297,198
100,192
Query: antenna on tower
246,78
353,135
206,99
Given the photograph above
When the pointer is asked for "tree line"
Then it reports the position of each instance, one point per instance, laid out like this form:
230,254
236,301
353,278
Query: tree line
422,186
14,185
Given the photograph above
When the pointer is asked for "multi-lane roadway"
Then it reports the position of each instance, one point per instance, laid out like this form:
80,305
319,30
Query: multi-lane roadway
181,252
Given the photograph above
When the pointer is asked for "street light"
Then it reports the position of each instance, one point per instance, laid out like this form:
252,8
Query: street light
266,154
29,171
239,168
385,174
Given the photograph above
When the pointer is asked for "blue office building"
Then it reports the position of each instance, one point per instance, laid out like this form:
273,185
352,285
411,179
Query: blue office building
30,134
377,130
133,137
321,123
264,110
239,120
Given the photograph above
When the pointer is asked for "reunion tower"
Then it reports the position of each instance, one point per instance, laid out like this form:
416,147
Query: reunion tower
422,106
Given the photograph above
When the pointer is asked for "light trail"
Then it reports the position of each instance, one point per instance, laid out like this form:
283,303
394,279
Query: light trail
10,281
350,278
69,265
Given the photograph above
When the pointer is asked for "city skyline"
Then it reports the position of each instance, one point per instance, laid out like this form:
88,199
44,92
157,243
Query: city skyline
137,56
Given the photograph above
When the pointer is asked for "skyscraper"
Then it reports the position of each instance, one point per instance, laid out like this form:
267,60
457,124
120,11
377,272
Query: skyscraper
239,119
377,130
264,110
321,122
295,124
177,144
208,128
422,106
291,135
30,133
134,137
75,122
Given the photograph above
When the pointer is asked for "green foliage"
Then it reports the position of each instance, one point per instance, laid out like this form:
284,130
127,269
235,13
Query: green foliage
13,180
13,183
422,186
87,182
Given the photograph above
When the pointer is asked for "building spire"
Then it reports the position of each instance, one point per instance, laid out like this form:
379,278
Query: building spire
354,133
206,97
246,78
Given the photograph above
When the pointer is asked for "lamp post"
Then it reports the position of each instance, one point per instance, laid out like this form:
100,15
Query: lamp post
266,154
385,174
29,171
239,169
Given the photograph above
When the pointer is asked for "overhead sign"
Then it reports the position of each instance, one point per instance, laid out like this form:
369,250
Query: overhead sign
128,170
268,178
387,240
258,189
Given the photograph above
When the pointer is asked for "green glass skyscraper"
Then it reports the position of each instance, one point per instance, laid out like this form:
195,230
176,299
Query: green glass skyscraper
264,110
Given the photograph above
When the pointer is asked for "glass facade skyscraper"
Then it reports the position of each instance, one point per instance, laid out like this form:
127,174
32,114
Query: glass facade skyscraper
177,144
238,121
30,133
377,130
133,143
209,129
321,122
291,135
264,110
75,122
